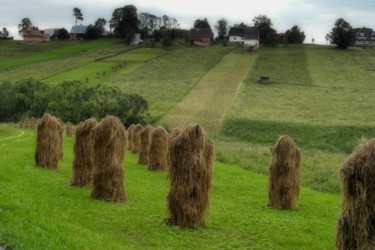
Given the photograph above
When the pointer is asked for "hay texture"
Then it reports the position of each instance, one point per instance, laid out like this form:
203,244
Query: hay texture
129,130
190,173
69,129
83,153
284,174
61,138
157,157
109,144
135,139
33,122
47,151
356,225
144,136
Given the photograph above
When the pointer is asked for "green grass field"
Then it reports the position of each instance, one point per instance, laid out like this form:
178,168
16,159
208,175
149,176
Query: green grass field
320,96
39,210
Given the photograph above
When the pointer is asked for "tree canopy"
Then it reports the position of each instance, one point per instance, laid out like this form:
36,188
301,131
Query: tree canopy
5,32
222,29
342,34
70,100
78,14
125,22
25,23
295,35
201,23
267,35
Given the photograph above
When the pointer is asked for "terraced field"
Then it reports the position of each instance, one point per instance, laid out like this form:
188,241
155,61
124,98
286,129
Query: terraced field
212,96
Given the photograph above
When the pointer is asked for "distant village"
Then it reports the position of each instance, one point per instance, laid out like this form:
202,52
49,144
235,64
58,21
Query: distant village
162,29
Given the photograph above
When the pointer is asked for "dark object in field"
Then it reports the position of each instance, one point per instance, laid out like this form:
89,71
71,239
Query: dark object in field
190,172
135,139
264,79
69,129
157,157
47,151
129,130
109,143
356,225
284,174
144,136
83,153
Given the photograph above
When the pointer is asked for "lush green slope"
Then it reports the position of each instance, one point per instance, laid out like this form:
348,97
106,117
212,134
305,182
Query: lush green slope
39,210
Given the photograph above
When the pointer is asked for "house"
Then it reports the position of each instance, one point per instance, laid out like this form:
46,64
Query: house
236,34
201,36
364,37
251,38
52,33
33,35
78,32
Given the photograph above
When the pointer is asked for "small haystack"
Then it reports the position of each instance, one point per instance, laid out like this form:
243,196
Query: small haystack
109,144
284,174
83,155
356,226
69,129
144,136
191,157
47,142
129,130
157,157
33,122
135,139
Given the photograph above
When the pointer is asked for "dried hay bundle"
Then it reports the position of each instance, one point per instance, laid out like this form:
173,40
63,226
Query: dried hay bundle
284,174
175,133
47,142
356,225
33,123
109,144
135,139
83,153
69,129
26,123
144,136
130,128
157,157
191,155
61,138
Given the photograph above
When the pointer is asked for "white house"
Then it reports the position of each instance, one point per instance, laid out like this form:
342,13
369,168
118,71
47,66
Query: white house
236,34
251,38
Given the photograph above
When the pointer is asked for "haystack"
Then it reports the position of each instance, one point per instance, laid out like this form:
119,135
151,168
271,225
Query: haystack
129,130
69,129
83,155
61,138
284,174
135,139
33,122
157,157
190,172
109,144
356,226
144,136
175,133
47,142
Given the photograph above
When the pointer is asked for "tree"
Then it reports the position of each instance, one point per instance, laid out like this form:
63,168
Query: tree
100,25
342,34
264,24
62,34
328,37
5,32
78,14
222,29
295,35
125,22
25,23
201,23
271,38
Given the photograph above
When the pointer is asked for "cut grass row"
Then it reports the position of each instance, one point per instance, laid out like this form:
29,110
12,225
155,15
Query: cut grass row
212,96
40,210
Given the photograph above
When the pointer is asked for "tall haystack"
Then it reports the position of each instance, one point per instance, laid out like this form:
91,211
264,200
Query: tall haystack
284,174
47,142
356,225
190,173
157,157
61,138
135,139
83,155
175,133
109,144
69,129
129,130
144,136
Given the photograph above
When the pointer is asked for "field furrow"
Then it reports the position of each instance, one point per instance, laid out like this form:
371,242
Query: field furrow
212,96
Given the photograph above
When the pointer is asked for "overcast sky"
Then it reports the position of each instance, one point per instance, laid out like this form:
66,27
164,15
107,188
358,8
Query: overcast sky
315,17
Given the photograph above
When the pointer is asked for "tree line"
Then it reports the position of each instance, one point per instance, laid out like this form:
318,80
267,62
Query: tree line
69,100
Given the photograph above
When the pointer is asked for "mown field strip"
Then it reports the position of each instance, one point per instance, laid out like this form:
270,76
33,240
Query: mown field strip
212,96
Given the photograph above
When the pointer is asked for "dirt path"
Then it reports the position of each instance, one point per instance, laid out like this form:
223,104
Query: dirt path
213,95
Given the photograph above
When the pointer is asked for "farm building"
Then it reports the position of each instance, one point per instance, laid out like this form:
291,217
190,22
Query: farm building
236,34
364,37
248,36
52,33
77,32
34,35
201,36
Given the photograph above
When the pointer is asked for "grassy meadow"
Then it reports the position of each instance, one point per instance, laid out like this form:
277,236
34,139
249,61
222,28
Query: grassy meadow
320,96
